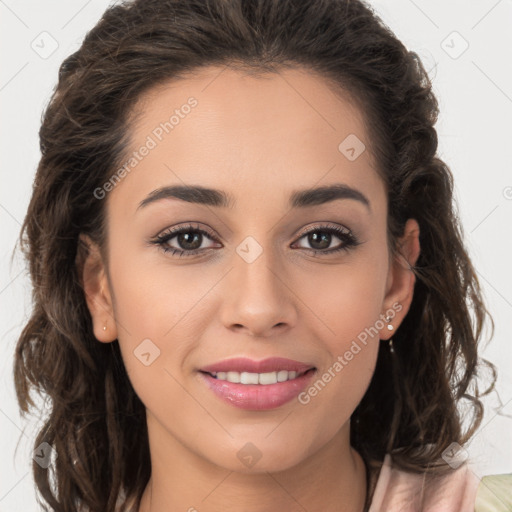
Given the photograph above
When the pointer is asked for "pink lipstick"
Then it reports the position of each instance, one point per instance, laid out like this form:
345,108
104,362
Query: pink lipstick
257,385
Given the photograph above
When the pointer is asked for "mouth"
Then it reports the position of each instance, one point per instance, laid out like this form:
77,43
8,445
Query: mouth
257,385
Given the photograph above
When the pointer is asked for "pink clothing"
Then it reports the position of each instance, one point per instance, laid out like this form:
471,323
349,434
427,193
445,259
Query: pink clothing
400,491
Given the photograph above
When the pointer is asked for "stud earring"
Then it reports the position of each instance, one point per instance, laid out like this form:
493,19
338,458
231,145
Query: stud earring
387,319
104,327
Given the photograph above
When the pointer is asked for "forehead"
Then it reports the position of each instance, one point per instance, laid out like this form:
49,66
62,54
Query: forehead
225,128
296,100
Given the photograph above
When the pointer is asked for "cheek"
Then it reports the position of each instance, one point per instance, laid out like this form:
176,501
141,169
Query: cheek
345,299
155,335
347,304
349,340
160,317
153,296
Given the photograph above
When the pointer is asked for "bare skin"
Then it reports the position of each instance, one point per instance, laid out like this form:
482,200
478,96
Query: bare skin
258,139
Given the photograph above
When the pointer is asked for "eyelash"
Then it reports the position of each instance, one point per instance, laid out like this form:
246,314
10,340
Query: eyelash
345,235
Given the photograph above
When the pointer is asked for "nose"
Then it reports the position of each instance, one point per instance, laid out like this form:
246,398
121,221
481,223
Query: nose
257,298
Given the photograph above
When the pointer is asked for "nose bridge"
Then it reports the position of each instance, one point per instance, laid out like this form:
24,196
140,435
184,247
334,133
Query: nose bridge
256,267
258,299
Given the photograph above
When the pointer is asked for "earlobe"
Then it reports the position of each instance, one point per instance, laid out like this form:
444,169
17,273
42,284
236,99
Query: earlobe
93,277
401,278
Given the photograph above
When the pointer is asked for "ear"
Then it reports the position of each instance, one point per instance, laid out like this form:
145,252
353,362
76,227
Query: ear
94,280
401,279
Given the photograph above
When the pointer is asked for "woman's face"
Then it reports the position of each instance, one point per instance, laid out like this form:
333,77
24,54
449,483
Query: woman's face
243,280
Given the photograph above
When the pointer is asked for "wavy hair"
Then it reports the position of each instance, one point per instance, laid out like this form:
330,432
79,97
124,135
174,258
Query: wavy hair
94,420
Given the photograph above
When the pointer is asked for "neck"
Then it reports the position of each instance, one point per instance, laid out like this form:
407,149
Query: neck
332,479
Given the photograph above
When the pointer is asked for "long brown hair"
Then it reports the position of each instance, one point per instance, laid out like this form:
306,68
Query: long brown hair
95,421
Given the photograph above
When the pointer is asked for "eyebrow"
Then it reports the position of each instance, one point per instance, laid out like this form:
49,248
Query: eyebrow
212,197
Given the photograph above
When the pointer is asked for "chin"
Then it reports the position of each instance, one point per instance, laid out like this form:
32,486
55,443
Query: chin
260,457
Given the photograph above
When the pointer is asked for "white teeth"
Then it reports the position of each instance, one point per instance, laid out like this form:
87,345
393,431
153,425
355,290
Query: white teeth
233,377
256,378
282,376
248,378
268,378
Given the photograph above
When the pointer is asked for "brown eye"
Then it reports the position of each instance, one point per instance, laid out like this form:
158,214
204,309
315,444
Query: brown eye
183,241
320,239
189,240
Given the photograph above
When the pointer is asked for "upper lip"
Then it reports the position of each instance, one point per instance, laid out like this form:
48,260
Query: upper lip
242,364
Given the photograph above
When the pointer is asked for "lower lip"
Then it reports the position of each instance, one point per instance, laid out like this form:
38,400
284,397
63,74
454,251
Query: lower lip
257,397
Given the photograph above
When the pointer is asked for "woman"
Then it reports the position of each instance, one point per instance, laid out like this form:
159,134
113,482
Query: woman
250,289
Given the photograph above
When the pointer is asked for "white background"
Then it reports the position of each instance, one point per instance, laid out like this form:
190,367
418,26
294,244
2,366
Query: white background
475,132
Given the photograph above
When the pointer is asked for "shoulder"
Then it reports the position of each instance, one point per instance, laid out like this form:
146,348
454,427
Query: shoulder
459,490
